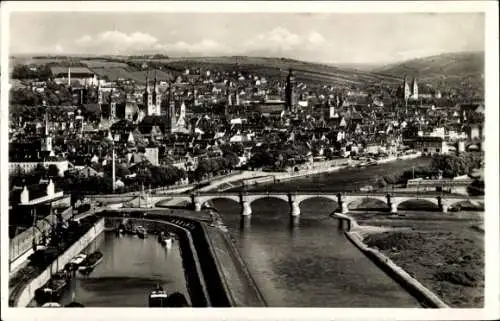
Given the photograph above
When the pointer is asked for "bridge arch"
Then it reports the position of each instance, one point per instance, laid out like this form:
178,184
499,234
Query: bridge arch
460,203
282,206
301,198
159,201
329,202
354,202
252,198
416,203
204,199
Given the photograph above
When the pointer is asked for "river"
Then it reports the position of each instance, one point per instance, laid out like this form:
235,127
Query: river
313,265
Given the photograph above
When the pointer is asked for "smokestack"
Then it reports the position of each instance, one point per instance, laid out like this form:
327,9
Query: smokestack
69,76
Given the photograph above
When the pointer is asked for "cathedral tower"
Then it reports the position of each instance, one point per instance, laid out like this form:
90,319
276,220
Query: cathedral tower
406,89
414,87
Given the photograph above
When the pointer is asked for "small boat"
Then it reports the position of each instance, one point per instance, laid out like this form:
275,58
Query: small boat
51,305
141,232
130,229
120,229
76,262
53,290
91,262
166,240
372,163
158,298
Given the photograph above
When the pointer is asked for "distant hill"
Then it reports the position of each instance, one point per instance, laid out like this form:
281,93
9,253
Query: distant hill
463,64
453,70
277,68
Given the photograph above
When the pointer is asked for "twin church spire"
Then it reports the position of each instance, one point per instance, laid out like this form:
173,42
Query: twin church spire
152,99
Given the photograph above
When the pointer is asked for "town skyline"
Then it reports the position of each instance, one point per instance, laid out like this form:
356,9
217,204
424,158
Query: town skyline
315,37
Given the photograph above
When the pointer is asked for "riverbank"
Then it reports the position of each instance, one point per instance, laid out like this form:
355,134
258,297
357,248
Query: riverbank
442,251
23,283
317,169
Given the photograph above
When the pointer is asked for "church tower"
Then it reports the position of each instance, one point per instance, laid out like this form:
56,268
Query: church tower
290,99
155,107
406,89
171,109
147,97
47,139
414,89
229,102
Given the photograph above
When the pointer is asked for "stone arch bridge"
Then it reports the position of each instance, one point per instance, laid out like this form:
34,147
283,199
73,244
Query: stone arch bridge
345,201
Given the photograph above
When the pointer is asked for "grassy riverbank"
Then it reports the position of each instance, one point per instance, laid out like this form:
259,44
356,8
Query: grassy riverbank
442,251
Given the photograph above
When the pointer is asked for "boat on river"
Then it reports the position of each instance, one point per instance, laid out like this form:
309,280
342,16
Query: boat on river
158,298
166,239
141,232
120,229
90,262
53,290
51,305
75,263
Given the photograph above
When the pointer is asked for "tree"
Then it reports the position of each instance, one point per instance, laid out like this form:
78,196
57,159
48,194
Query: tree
328,153
53,171
232,159
452,165
261,158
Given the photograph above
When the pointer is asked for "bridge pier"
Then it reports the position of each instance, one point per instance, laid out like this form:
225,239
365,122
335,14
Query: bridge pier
344,224
294,209
394,208
343,207
245,222
294,221
442,204
246,209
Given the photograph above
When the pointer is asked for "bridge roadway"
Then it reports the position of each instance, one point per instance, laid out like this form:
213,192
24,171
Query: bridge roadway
345,201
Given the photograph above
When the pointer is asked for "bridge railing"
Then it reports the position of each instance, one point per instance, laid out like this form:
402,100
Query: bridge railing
322,192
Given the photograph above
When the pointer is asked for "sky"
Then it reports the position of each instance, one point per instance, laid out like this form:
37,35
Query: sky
317,37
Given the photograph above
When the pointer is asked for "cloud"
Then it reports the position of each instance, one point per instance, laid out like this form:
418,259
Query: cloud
59,48
205,46
116,42
275,41
281,40
316,38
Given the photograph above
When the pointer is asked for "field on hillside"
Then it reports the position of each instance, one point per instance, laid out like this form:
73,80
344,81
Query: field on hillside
277,68
139,76
103,63
456,70
453,69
